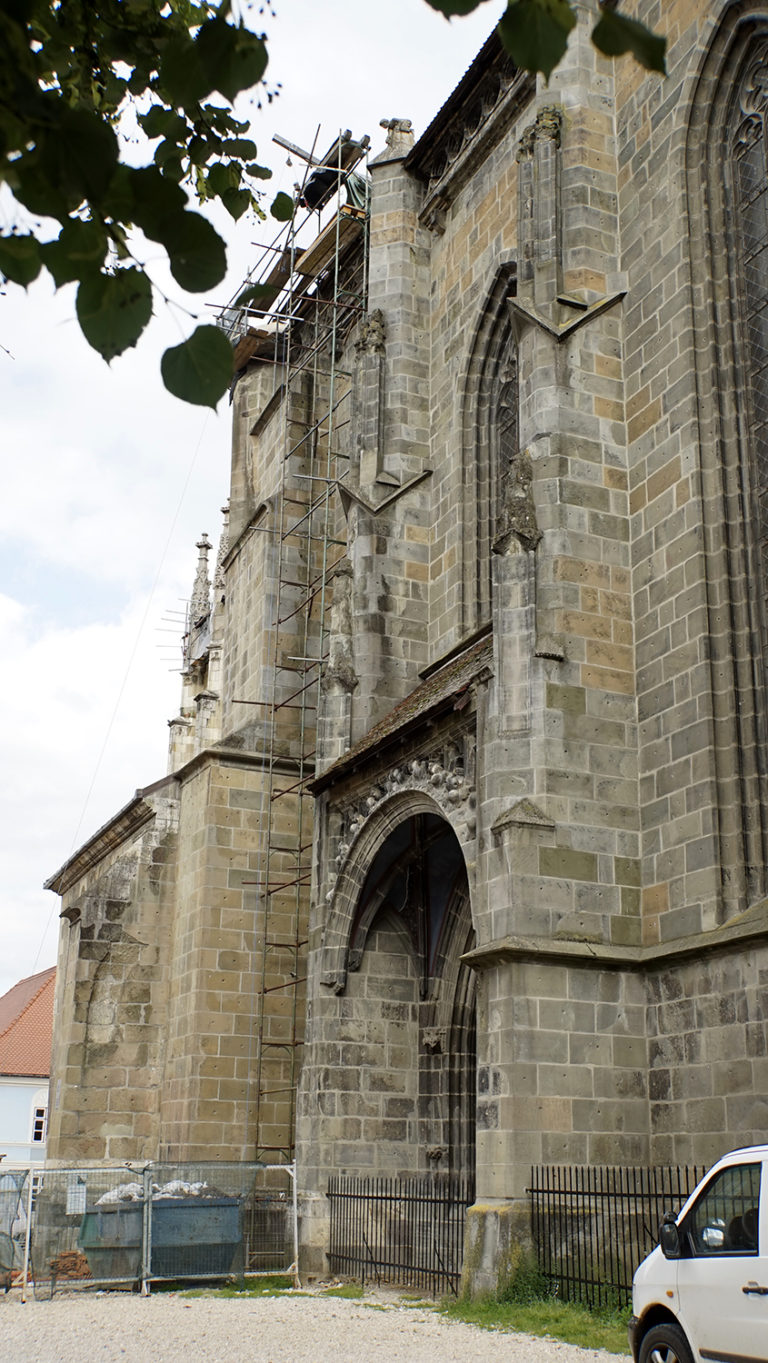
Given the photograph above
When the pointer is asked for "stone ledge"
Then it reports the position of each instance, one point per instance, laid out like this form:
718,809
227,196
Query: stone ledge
125,825
750,927
139,811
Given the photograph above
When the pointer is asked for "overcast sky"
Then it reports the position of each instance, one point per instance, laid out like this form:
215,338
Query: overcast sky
108,481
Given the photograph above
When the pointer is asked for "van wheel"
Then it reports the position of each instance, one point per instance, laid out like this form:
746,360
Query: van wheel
665,1343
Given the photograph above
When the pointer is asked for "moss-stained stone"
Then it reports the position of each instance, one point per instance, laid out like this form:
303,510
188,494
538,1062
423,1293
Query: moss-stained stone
496,1239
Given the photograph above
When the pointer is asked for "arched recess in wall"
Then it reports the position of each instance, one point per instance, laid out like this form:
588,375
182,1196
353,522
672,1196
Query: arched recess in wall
341,937
727,158
413,899
489,439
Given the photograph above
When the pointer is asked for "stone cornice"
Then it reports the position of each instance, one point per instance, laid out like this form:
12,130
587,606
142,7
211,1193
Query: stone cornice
471,122
748,929
140,810
123,826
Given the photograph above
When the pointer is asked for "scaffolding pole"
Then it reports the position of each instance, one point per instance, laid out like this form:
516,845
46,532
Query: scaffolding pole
320,289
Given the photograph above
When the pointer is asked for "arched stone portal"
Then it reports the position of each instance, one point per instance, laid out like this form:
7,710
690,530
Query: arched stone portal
411,926
388,1084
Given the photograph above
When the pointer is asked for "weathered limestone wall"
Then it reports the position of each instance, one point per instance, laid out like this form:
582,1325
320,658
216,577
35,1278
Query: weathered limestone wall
211,983
111,1007
707,1027
563,1077
387,498
681,858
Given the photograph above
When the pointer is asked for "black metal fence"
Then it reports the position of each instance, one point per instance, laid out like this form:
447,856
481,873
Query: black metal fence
593,1226
400,1230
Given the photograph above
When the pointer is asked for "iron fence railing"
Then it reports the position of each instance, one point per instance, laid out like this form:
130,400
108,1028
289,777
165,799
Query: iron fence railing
146,1223
592,1226
400,1230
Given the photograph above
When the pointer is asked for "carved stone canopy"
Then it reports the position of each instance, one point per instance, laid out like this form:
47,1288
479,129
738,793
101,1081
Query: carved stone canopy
441,776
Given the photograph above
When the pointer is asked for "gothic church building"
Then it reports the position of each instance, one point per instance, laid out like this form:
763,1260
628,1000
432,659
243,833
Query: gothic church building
461,860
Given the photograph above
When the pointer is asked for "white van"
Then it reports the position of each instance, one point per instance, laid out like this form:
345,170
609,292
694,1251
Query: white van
703,1292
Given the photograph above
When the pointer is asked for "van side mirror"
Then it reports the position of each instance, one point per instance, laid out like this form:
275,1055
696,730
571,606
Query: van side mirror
669,1237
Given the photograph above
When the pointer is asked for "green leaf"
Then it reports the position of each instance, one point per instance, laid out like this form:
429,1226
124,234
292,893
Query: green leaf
199,149
240,146
196,253
19,259
80,154
236,201
258,172
165,151
161,122
222,177
451,7
33,188
142,195
79,248
183,79
614,34
535,33
200,369
219,117
282,208
234,59
113,310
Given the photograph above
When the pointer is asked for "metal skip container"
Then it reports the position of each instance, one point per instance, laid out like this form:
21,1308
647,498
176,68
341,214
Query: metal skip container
193,1237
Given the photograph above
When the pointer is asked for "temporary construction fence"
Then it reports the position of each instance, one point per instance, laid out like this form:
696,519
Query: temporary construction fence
593,1226
144,1223
13,1219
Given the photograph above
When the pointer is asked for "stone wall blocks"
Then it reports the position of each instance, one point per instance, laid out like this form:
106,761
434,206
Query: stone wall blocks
632,1052
610,1083
610,1115
566,1081
630,1148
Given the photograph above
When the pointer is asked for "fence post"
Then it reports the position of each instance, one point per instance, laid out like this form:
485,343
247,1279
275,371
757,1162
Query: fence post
27,1236
146,1231
292,1173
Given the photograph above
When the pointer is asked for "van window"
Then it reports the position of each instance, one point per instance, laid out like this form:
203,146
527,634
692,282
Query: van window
724,1219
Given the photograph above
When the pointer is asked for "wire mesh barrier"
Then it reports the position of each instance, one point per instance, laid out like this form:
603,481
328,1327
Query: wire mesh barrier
153,1222
400,1230
12,1223
592,1227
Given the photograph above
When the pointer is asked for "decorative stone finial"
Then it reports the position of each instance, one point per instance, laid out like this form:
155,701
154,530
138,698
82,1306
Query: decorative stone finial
200,603
400,136
218,576
372,333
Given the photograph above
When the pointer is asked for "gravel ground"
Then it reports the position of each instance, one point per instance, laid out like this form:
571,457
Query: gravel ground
120,1327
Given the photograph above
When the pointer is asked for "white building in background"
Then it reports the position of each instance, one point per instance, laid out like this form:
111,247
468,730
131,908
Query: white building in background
26,1024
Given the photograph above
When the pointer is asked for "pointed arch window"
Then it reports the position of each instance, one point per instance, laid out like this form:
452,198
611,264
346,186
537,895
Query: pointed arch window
491,439
748,157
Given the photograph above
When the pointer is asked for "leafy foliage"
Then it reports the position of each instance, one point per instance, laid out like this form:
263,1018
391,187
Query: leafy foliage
71,72
535,32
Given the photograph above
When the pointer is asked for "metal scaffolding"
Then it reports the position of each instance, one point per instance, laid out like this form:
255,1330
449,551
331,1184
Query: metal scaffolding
306,293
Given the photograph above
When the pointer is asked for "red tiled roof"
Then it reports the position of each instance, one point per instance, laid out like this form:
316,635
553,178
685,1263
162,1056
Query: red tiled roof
26,1026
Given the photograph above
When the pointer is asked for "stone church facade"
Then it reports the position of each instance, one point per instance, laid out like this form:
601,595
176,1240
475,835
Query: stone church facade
498,897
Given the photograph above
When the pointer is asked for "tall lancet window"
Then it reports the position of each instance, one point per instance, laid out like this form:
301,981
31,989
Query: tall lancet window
749,160
490,426
504,433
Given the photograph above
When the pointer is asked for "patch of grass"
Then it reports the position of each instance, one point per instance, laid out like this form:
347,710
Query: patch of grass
558,1319
274,1286
350,1291
527,1283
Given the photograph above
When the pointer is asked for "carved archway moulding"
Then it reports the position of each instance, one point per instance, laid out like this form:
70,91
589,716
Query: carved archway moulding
726,95
421,786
